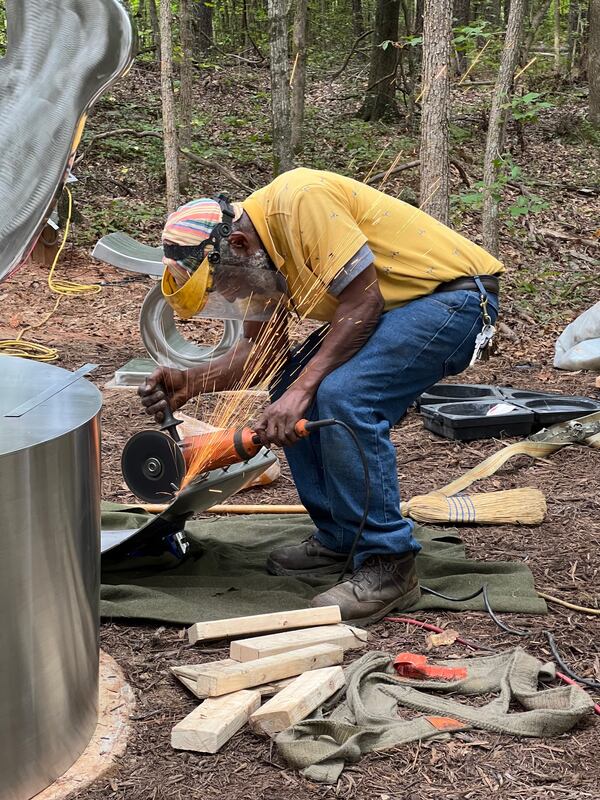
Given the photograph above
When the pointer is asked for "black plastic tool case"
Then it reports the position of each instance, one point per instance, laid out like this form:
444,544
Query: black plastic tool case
468,420
460,411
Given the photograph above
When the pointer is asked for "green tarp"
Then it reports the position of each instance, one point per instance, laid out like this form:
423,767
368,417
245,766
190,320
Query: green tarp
225,576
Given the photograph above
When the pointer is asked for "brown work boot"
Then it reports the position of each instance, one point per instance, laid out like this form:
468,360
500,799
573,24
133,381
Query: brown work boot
304,560
382,583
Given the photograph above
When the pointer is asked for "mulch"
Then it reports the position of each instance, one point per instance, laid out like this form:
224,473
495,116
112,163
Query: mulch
562,553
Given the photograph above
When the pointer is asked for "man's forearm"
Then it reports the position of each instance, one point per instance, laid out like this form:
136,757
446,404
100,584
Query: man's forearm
350,329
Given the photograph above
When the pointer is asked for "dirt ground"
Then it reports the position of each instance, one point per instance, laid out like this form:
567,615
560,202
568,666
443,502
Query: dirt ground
562,554
553,275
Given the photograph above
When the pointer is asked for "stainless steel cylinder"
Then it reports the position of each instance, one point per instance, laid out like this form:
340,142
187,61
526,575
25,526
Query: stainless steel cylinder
49,573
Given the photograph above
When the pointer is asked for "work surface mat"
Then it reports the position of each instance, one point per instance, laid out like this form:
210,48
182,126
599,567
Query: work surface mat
225,575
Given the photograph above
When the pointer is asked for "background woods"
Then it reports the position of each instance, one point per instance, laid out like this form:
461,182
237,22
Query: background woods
451,105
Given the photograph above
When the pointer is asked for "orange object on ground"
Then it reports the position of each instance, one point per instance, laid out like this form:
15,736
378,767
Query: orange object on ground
413,665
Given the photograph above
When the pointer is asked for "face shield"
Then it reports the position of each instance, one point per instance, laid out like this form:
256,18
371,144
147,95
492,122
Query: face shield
209,280
224,291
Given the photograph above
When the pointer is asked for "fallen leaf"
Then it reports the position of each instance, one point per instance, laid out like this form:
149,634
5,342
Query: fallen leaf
449,636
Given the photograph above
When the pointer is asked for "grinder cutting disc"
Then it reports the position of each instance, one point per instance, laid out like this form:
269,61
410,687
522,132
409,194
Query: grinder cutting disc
153,466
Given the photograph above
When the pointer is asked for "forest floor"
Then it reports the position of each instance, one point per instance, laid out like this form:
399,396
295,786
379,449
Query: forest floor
552,261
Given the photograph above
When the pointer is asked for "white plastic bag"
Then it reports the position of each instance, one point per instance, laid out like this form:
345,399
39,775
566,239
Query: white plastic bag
578,346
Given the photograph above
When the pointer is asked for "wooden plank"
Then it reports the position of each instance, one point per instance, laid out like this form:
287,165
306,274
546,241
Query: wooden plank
344,636
214,682
263,623
191,670
214,722
265,689
297,701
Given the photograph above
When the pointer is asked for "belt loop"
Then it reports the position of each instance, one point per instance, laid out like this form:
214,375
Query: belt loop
483,300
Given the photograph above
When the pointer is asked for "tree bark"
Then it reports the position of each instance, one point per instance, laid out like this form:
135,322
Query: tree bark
155,28
298,80
557,37
202,25
494,144
536,21
594,62
186,98
435,165
358,22
462,16
572,31
168,107
280,89
494,13
380,94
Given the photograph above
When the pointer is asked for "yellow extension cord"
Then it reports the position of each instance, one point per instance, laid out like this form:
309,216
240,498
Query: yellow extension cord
39,352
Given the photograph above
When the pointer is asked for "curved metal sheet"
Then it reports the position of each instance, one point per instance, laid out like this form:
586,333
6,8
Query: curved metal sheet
123,251
167,346
49,577
62,54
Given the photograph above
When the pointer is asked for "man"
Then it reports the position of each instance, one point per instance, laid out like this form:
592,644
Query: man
403,298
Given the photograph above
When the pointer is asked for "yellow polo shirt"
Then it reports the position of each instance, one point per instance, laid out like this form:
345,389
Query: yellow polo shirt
313,223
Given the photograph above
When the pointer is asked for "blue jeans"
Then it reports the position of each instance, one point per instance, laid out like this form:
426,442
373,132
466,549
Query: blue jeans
411,348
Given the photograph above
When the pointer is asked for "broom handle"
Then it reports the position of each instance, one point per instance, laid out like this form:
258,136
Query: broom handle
158,508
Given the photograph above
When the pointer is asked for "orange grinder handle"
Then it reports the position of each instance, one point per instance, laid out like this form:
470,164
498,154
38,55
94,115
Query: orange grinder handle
304,427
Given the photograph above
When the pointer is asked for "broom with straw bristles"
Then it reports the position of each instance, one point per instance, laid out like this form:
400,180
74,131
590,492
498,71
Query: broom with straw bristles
520,506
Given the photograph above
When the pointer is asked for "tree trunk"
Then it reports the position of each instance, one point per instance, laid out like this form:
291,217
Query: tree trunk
380,94
572,31
299,72
280,89
462,15
594,62
494,144
557,37
155,29
536,21
186,98
435,167
494,13
168,106
358,22
202,25
419,5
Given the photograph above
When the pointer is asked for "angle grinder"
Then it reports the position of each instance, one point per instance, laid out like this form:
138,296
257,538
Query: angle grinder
154,463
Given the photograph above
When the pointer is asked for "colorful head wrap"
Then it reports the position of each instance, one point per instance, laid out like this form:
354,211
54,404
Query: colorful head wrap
190,225
192,222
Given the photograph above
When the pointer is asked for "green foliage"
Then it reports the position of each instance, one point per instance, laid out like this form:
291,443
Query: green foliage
469,37
527,107
524,204
117,215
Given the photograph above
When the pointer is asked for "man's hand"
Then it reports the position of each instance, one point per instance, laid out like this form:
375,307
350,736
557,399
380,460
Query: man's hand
277,422
174,386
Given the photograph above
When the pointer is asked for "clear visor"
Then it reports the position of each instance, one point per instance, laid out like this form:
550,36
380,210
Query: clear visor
244,293
224,291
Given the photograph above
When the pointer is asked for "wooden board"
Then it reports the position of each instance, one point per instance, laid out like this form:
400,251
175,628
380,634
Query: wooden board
191,670
214,722
297,701
265,689
263,623
345,636
214,682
